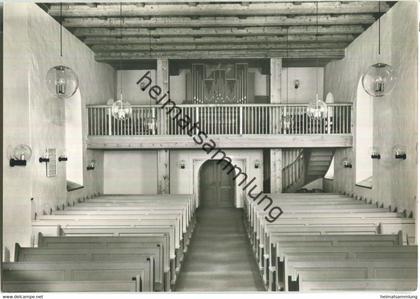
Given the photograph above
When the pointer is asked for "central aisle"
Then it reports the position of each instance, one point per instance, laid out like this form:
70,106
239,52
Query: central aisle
219,258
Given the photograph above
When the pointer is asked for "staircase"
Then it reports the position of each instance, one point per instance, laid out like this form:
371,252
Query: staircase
302,166
317,163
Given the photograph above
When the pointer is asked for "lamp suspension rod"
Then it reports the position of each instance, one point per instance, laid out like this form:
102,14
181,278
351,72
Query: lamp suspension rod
121,34
317,59
379,28
287,69
61,29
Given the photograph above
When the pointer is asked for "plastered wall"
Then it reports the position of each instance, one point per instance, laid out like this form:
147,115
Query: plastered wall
135,172
394,115
33,116
130,172
309,84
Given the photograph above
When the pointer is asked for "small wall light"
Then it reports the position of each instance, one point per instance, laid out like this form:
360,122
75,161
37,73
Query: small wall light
347,163
20,155
296,83
91,165
257,164
45,158
181,164
374,153
399,152
62,158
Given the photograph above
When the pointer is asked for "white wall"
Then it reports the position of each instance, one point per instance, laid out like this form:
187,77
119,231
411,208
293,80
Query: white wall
185,181
364,134
178,87
395,115
74,139
135,172
260,82
130,90
35,117
308,84
130,172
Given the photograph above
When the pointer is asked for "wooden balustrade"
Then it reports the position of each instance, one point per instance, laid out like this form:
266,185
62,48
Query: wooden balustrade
293,167
238,119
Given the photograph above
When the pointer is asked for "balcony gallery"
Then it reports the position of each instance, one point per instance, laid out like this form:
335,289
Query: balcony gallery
222,100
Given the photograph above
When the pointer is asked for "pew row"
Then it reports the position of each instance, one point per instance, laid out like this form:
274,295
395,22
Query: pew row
78,255
69,286
140,271
325,230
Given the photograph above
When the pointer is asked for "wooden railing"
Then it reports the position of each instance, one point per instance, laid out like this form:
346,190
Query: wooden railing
240,119
294,167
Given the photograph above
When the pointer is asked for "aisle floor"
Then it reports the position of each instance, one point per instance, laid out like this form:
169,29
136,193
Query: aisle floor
219,258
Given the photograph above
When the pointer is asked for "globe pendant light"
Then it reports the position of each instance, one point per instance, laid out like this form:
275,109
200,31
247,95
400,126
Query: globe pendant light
379,79
121,109
61,80
287,121
317,109
151,121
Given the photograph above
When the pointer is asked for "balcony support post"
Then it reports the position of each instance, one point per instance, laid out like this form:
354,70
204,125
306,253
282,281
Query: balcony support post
276,65
163,179
162,80
276,170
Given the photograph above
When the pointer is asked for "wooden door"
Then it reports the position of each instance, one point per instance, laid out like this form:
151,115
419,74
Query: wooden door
217,189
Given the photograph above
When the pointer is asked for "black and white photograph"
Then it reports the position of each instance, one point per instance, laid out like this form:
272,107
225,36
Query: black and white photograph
224,148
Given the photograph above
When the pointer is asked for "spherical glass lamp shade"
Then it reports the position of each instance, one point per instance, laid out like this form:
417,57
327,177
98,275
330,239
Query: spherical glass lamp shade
287,122
379,79
22,152
317,109
62,81
121,110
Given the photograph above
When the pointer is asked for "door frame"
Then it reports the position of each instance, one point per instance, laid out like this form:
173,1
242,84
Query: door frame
239,193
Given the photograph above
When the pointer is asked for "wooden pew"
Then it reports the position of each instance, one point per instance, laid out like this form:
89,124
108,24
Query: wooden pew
139,242
367,284
384,226
101,221
341,254
69,286
141,271
265,252
95,255
330,269
109,228
171,200
128,232
129,213
268,261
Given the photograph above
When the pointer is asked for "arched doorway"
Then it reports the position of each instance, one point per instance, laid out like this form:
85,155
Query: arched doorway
217,186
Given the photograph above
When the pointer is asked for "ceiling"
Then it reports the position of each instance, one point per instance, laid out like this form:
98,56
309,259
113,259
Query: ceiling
217,30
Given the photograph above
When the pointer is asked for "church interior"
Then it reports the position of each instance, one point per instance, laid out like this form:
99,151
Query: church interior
203,146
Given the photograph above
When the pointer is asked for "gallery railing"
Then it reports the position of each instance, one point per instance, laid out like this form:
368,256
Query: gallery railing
238,119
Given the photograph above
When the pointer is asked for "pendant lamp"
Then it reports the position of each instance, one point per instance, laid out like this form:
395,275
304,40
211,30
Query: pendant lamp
317,109
287,121
121,109
61,80
379,79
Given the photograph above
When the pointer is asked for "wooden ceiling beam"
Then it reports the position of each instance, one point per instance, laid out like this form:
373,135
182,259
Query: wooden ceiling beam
217,32
182,22
214,47
218,40
216,9
298,54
